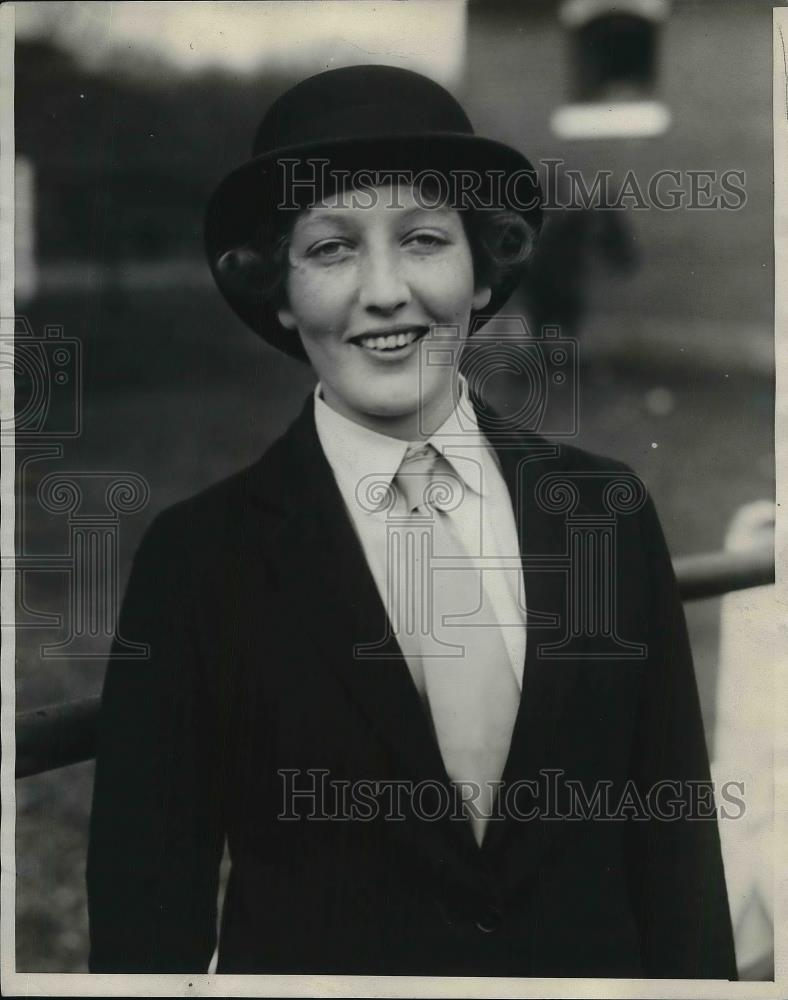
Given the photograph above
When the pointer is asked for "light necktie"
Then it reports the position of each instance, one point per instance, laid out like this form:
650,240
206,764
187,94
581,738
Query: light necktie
470,686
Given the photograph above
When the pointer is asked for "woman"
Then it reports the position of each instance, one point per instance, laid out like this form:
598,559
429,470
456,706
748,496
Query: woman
400,793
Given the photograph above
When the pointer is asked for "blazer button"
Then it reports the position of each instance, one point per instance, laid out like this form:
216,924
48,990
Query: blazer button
490,920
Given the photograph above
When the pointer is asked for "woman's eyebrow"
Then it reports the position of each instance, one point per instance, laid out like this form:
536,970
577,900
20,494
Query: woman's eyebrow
429,210
323,217
328,221
347,215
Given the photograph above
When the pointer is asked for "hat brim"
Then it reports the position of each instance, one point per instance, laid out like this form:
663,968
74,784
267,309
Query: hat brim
242,200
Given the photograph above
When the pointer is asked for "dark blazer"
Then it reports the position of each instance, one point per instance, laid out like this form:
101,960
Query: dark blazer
252,596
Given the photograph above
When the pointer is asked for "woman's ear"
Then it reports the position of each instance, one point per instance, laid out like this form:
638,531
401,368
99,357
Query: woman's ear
481,297
286,318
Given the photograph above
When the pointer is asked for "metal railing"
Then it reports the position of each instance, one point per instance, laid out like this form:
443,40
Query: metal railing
713,574
58,735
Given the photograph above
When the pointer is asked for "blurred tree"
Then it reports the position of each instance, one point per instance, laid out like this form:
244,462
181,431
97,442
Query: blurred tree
125,161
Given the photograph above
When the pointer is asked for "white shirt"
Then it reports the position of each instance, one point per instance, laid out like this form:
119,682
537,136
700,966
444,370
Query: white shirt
484,520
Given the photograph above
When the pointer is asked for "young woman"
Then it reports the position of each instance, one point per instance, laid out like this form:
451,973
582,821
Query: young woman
376,669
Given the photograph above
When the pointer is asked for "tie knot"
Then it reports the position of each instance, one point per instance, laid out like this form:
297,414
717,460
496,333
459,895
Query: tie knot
426,479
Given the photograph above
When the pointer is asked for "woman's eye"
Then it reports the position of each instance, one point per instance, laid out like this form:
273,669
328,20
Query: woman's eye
329,250
425,241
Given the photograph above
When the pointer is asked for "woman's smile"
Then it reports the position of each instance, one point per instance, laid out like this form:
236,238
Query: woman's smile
391,343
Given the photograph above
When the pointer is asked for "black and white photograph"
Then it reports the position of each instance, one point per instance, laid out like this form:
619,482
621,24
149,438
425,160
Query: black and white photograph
392,421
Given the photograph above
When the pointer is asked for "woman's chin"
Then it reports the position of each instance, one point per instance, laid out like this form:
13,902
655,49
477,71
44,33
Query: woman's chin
401,409
399,402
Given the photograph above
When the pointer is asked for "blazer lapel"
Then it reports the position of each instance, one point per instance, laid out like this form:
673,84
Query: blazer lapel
546,683
321,567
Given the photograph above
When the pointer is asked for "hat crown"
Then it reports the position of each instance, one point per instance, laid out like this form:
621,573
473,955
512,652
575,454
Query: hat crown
358,102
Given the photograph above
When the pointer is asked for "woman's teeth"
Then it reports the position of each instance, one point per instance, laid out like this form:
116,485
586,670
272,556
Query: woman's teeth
390,341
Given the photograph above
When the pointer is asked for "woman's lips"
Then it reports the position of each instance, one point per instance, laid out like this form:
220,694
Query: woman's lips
394,344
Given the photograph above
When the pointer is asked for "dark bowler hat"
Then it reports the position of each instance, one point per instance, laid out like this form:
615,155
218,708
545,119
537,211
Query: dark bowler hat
371,118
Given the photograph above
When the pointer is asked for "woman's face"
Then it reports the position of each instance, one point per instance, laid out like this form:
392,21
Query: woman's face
365,283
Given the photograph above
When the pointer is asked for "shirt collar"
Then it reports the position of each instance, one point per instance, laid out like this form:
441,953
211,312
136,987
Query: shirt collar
356,452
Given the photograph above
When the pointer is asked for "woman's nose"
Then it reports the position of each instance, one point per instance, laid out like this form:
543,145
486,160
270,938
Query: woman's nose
383,287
